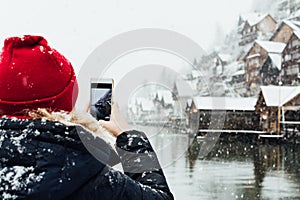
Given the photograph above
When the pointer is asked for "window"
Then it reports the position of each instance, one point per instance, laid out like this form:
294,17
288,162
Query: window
295,43
247,77
287,57
284,36
254,61
292,70
257,49
254,73
295,55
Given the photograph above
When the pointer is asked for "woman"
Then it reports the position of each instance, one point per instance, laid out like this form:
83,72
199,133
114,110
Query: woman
42,155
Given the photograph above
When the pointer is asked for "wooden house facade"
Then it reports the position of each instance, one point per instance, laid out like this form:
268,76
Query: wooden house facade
291,60
220,61
278,107
285,30
164,103
254,61
141,108
224,113
255,27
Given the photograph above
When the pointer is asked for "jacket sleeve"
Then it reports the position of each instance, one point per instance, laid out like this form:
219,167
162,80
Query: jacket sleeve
141,165
143,178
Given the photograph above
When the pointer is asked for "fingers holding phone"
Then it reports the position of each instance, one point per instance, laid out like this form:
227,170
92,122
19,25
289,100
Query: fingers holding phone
117,123
101,107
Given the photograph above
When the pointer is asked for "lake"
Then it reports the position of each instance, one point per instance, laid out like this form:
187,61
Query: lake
227,170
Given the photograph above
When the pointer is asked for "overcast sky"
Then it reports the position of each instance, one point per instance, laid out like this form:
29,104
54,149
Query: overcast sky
76,27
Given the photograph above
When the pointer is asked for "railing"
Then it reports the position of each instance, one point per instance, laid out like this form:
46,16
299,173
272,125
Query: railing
249,37
296,43
239,85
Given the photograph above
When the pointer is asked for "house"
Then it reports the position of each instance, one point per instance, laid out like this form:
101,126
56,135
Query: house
291,60
285,30
140,109
164,98
181,93
238,77
232,68
220,61
223,59
256,57
194,74
278,106
222,85
184,89
238,82
164,103
255,26
225,113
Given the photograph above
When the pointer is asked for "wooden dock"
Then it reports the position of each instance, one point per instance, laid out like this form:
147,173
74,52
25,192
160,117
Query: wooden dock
270,136
231,131
290,122
261,135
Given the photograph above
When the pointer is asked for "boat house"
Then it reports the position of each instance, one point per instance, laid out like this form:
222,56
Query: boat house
224,113
279,108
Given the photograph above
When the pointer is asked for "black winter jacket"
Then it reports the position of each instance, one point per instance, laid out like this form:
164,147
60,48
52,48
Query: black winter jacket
41,159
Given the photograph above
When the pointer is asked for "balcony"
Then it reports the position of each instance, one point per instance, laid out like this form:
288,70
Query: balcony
248,38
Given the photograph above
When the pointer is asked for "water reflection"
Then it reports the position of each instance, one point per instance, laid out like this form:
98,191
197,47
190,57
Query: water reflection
235,170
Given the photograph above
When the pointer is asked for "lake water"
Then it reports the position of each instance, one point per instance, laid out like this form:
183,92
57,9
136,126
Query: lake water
228,170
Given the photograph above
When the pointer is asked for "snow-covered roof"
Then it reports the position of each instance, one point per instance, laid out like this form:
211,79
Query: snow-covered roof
271,47
295,25
232,68
253,18
240,27
276,59
297,33
256,19
240,72
185,88
224,103
166,95
279,95
253,55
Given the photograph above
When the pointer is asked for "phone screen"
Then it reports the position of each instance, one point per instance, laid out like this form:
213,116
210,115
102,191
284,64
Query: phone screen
101,99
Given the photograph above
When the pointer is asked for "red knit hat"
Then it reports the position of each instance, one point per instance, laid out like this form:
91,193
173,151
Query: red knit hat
33,75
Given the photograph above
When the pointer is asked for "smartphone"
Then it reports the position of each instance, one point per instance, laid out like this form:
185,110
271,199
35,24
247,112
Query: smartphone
101,98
